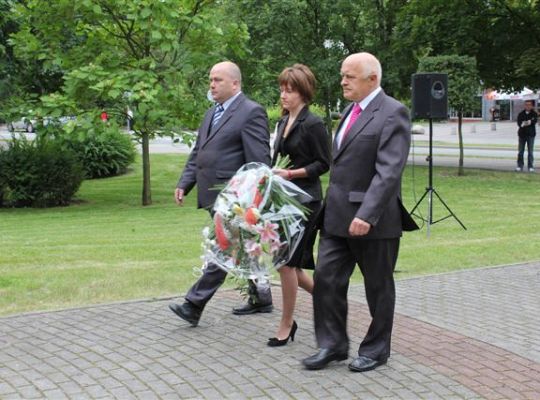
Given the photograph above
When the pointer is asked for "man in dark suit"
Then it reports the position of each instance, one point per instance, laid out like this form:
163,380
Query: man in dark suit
233,132
527,131
363,217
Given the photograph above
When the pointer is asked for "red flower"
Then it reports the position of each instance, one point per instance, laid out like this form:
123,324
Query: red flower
252,216
258,195
221,237
258,198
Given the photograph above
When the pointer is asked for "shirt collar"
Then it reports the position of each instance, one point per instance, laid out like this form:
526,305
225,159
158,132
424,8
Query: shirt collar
364,103
229,101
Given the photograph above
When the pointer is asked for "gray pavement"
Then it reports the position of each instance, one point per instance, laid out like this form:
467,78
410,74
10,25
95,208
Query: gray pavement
484,148
464,335
474,132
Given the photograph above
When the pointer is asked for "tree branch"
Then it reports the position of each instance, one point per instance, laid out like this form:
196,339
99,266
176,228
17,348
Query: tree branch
127,32
198,6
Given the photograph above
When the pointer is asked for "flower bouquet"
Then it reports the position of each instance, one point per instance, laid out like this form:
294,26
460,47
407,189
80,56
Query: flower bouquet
257,223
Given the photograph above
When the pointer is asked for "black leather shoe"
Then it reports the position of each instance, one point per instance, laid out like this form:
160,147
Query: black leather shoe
187,311
252,309
323,358
363,363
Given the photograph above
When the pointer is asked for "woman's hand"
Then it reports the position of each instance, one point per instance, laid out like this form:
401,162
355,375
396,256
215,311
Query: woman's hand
284,173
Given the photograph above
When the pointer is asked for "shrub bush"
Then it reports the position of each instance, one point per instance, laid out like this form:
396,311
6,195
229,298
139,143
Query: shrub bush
40,173
274,114
103,150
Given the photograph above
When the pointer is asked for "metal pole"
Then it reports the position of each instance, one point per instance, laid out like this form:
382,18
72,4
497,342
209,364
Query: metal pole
430,212
430,179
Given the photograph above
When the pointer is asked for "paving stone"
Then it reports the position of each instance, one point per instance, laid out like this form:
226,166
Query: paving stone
464,335
71,388
55,394
29,392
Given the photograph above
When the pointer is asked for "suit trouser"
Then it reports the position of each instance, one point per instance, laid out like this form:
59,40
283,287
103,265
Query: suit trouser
213,277
337,258
529,141
211,280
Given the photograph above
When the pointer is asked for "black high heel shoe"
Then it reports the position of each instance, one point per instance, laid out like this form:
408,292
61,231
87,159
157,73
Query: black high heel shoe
274,342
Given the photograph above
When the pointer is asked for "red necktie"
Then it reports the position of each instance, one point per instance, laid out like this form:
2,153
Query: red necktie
355,113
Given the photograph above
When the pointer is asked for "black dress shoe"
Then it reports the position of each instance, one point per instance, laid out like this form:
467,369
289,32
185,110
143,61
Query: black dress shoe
252,309
187,311
363,364
323,358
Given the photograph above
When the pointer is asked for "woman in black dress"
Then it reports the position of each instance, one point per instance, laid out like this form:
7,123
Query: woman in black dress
302,136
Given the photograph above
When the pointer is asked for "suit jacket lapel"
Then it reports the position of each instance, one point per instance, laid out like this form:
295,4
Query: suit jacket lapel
282,123
204,131
365,118
343,118
281,130
226,116
301,117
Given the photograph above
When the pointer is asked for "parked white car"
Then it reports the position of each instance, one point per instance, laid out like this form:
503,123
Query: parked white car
29,125
24,124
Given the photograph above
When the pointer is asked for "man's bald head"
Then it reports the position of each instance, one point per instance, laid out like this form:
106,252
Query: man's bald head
229,68
361,74
369,64
225,81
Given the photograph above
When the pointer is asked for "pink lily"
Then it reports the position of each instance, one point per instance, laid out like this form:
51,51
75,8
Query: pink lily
268,232
253,248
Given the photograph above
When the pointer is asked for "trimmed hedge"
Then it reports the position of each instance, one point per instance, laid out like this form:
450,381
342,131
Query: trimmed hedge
39,173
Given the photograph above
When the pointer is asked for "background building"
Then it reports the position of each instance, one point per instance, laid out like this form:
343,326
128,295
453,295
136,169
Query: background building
506,106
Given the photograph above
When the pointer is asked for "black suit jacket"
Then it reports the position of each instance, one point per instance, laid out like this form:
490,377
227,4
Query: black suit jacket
240,136
365,176
308,146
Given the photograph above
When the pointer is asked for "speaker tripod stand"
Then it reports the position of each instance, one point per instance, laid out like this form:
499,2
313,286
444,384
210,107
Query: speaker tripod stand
430,191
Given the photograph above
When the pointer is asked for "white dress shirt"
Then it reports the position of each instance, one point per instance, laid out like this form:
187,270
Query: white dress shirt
363,105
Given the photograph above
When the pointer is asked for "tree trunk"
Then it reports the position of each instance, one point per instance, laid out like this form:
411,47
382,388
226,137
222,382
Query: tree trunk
328,119
146,192
461,170
328,111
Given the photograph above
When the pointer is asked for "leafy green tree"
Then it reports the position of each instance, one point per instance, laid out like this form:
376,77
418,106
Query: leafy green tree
463,86
368,25
151,57
318,33
516,40
503,36
284,32
22,81
7,26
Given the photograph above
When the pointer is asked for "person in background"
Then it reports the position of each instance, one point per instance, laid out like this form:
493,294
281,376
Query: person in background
526,122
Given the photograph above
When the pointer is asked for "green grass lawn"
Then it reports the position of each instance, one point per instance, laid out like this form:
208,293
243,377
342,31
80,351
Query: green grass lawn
107,247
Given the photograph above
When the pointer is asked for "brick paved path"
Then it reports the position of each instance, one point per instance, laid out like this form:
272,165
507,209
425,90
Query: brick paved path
465,335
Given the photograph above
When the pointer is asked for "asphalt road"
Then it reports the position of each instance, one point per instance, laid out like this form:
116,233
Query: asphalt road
485,147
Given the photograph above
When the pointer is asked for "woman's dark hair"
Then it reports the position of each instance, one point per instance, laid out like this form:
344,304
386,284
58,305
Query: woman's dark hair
300,79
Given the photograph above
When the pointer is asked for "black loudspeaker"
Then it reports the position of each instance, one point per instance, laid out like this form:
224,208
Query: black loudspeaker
429,95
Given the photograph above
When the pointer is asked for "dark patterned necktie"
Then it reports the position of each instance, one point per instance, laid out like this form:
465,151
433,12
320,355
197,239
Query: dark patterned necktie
217,114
